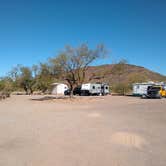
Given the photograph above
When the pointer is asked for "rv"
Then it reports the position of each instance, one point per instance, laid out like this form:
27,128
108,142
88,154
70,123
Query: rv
94,89
140,89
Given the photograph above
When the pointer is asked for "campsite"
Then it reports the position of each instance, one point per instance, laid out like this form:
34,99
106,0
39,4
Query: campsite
56,114
82,83
87,130
66,112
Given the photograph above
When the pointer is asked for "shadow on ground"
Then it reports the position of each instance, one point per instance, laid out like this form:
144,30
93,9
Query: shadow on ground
49,98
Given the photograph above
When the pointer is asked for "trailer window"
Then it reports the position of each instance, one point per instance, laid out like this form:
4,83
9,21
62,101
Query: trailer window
93,87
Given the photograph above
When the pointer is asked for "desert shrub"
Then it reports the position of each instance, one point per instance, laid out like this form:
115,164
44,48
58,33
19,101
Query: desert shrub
121,88
6,87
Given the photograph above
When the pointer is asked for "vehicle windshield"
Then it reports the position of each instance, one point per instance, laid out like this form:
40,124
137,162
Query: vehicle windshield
155,88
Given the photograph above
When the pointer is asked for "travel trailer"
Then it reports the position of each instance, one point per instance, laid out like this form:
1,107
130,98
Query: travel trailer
94,89
141,88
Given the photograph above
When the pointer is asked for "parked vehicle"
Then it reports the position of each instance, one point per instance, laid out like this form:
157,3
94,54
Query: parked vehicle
76,91
90,89
140,89
163,91
155,92
95,89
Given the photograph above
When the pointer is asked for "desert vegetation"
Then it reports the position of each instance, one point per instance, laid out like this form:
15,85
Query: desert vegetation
69,66
73,66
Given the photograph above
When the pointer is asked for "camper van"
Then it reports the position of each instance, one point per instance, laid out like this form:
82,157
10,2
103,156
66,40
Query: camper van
94,89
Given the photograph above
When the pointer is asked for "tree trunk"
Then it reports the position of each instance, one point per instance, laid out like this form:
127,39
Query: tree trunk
31,91
71,93
26,90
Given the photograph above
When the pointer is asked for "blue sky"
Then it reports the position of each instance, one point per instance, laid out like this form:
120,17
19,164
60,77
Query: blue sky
33,30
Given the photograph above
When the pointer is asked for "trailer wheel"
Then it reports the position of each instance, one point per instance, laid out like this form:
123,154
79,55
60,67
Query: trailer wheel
143,96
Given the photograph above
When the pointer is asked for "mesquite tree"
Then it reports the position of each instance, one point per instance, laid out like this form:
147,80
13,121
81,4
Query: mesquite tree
72,63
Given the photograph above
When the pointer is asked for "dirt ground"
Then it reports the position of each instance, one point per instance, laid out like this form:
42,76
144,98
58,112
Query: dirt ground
86,131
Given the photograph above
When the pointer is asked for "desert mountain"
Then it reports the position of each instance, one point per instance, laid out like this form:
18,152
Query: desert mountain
123,73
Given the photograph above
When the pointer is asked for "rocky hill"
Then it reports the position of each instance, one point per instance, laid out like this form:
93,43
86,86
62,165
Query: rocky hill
122,73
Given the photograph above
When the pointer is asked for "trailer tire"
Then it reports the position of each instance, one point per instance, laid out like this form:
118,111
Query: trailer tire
143,97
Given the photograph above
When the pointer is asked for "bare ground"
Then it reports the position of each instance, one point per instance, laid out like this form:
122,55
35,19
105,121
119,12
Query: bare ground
86,131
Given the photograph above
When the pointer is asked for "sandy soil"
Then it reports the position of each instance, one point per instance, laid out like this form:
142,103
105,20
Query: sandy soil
87,131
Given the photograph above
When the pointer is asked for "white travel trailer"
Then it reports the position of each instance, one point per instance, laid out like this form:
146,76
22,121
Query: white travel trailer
94,89
59,88
141,88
